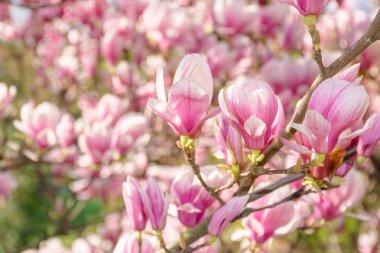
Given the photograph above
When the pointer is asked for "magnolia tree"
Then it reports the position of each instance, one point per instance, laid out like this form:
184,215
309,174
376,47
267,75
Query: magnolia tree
138,126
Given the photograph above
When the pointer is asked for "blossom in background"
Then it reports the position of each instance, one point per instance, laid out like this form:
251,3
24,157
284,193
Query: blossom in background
127,132
65,130
39,123
367,142
189,99
233,16
253,108
333,203
95,144
108,109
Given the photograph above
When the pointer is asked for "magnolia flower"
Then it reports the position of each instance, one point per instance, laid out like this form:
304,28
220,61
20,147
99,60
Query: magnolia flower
187,106
95,143
233,16
127,132
107,110
112,46
65,131
225,214
336,107
156,204
229,142
191,198
39,123
255,111
287,73
367,141
271,222
307,7
134,203
7,95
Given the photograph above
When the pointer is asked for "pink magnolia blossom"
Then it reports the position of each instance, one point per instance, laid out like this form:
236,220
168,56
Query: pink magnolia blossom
134,203
65,131
335,108
7,95
367,141
156,204
191,198
233,16
229,142
287,73
334,202
127,132
368,242
279,220
220,57
307,7
295,36
117,32
225,214
95,143
187,107
39,123
112,46
271,18
254,110
168,26
124,77
108,109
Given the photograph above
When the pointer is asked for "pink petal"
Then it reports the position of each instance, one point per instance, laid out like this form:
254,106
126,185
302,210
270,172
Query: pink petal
225,214
320,128
296,147
189,101
349,74
302,129
199,125
162,110
194,67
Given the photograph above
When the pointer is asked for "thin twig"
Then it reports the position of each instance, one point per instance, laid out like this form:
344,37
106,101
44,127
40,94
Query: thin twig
200,230
190,157
372,35
226,186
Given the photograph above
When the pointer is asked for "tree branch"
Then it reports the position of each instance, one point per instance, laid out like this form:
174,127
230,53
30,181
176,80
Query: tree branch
201,229
190,157
372,35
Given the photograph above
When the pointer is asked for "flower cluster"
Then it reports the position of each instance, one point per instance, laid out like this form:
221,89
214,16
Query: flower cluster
188,126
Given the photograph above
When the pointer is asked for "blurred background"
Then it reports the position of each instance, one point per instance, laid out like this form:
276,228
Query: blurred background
67,65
